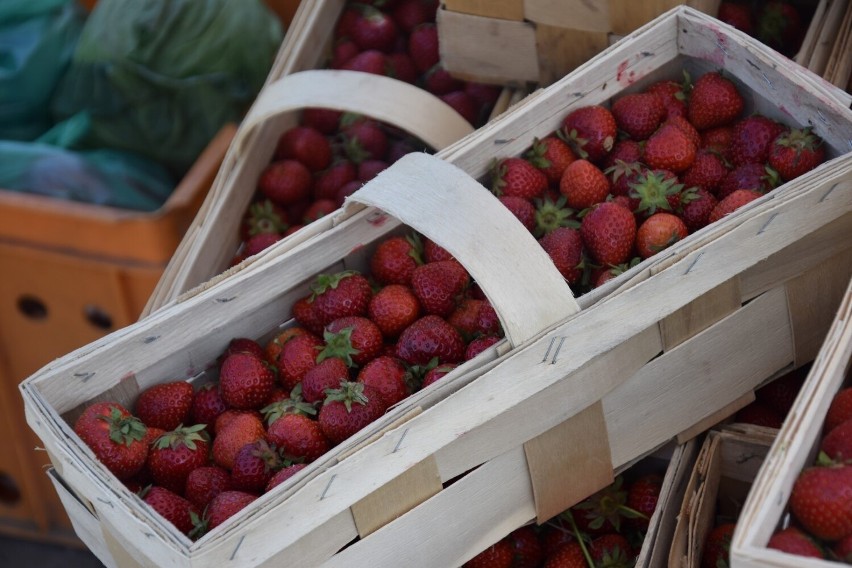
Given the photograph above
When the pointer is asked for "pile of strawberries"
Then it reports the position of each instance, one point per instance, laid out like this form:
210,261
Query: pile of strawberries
617,185
331,154
605,530
358,347
774,401
780,25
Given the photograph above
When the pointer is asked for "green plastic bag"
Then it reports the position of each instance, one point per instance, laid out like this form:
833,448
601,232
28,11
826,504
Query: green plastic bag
161,77
37,38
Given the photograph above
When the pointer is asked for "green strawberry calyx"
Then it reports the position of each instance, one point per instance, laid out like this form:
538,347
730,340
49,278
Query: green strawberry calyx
653,189
293,405
326,282
349,393
182,436
338,345
551,215
124,429
536,155
264,219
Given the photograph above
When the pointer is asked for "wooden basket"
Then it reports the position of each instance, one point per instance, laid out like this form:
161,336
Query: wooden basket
827,46
795,449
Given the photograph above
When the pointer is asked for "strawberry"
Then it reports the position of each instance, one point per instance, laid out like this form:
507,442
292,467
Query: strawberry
423,46
759,414
254,466
565,248
305,313
172,507
395,259
714,101
263,216
583,184
638,114
409,14
342,294
364,140
329,182
756,177
781,393
401,67
368,169
225,505
204,483
567,556
144,475
752,139
285,182
821,501
428,337
319,208
273,347
230,416
115,437
299,436
348,409
669,148
393,308
479,345
672,95
347,190
347,19
306,145
434,252
552,214
696,212
733,202
796,152
283,475
498,555
526,547
793,541
737,15
259,243
388,376
718,140
555,534
551,155
642,497
175,454
522,209
842,549
519,178
626,150
706,172
371,61
327,374
608,231
325,120
591,132
686,127
840,409
604,511
717,546
612,550
298,356
837,444
438,81
474,317
658,232
343,52
166,405
779,26
354,339
373,29
244,428
654,190
245,381
436,373
243,345
437,286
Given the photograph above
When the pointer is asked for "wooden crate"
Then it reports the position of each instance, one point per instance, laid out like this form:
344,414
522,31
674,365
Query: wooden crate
795,449
827,46
665,350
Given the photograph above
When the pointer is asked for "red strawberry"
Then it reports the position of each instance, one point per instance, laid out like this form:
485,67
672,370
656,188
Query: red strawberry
658,232
388,376
299,436
244,428
843,549
796,152
283,475
409,14
604,511
204,483
714,101
567,556
793,541
264,217
439,372
285,182
583,184
348,409
779,26
327,374
305,313
401,67
479,345
718,139
393,308
371,61
837,444
519,178
172,507
306,145
638,114
608,231
354,339
373,29
654,190
329,182
254,466
551,214
437,286
319,208
565,248
325,120
348,190
672,95
717,546
781,393
840,409
821,501
752,139
687,128
733,202
368,169
243,345
628,151
115,437
395,260
342,294
642,497
423,46
438,81
669,148
229,416
245,381
260,242
526,547
555,534
166,405
756,177
475,317
611,550
225,505
345,21
175,454
298,356
551,155
759,414
344,51
433,252
737,15
521,208
695,213
428,337
498,555
707,171
591,131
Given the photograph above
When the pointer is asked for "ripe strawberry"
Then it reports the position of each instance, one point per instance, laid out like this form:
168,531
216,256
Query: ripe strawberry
840,409
434,252
475,317
243,429
263,217
555,534
658,232
707,171
695,213
285,182
306,145
521,208
796,152
714,101
583,184
479,345
305,313
519,178
626,150
591,132
737,15
245,381
371,61
821,501
686,127
363,139
428,337
329,182
347,18
327,374
259,243
393,308
717,546
172,507
498,555
719,140
254,466
642,497
673,96
794,541
408,14
567,556
611,550
166,405
759,414
298,356
283,475
348,190
423,46
551,214
638,114
733,202
319,208
115,437
225,505
204,483
608,231
343,52
669,148
654,190
144,476
230,416
395,260
551,155
389,377
348,409
373,29
299,436
325,120
779,26
752,139
401,67
436,373
175,454
437,286
604,511
342,294
438,81
837,444
273,347
781,393
526,547
756,177
565,248
843,549
354,339
242,345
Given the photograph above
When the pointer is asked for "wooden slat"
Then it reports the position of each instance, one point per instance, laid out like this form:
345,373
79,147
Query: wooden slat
562,50
501,9
700,314
716,417
571,14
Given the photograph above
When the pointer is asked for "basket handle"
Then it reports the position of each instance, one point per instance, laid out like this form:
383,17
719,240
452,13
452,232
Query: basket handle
442,202
401,104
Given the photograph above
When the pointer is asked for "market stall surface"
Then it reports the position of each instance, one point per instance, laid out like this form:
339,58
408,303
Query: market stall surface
15,552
